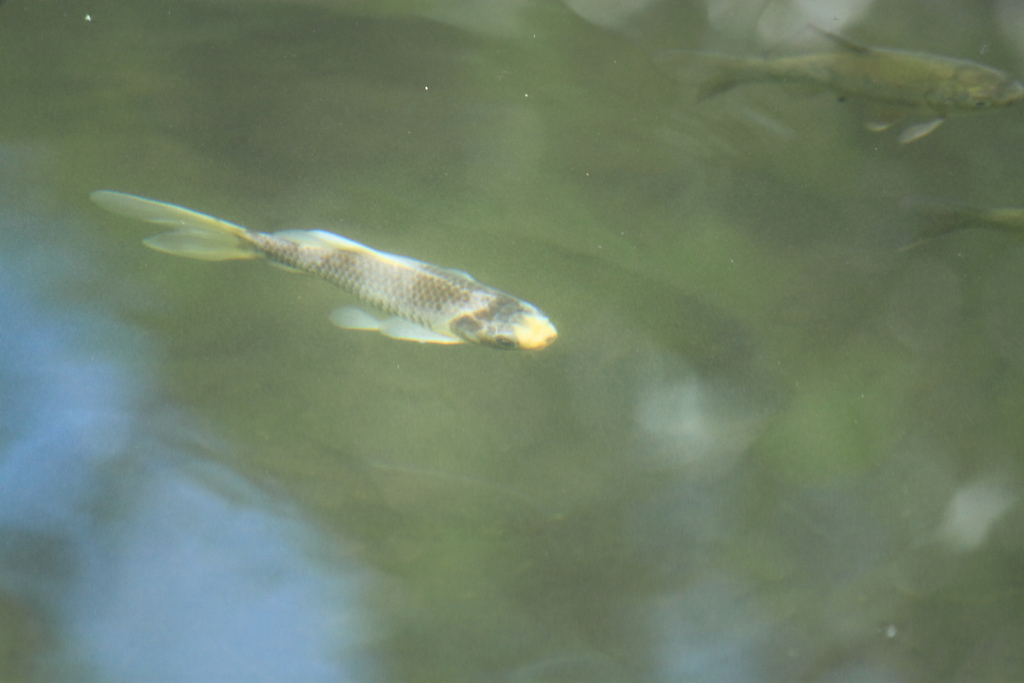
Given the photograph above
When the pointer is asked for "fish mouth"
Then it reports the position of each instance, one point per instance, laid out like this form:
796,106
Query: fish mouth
535,332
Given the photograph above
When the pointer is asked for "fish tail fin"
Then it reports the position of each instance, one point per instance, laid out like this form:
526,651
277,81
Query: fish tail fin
938,217
195,235
201,244
709,73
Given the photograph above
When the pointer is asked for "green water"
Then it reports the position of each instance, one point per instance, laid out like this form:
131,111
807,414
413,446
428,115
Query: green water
767,445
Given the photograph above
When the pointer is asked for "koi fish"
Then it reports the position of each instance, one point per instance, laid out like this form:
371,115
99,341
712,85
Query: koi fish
891,83
427,303
942,218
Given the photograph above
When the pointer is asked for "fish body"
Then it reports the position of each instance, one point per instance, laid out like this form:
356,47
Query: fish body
428,303
943,218
895,82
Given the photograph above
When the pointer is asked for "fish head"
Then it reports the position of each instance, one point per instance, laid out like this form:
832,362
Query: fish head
976,88
505,323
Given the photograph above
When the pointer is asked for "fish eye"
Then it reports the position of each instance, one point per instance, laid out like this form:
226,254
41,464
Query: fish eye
505,342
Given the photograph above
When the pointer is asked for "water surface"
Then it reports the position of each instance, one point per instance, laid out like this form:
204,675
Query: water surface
768,444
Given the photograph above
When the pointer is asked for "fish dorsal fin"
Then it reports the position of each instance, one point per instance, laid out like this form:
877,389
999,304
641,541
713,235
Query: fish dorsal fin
919,130
300,237
843,42
879,116
332,241
458,273
329,239
323,240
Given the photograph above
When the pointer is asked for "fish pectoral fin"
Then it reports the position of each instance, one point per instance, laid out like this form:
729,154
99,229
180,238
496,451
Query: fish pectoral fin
880,117
878,126
919,130
399,328
354,318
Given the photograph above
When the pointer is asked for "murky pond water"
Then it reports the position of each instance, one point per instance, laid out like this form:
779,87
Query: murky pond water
770,443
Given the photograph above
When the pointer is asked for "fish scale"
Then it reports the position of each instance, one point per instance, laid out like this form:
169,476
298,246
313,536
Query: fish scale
423,296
